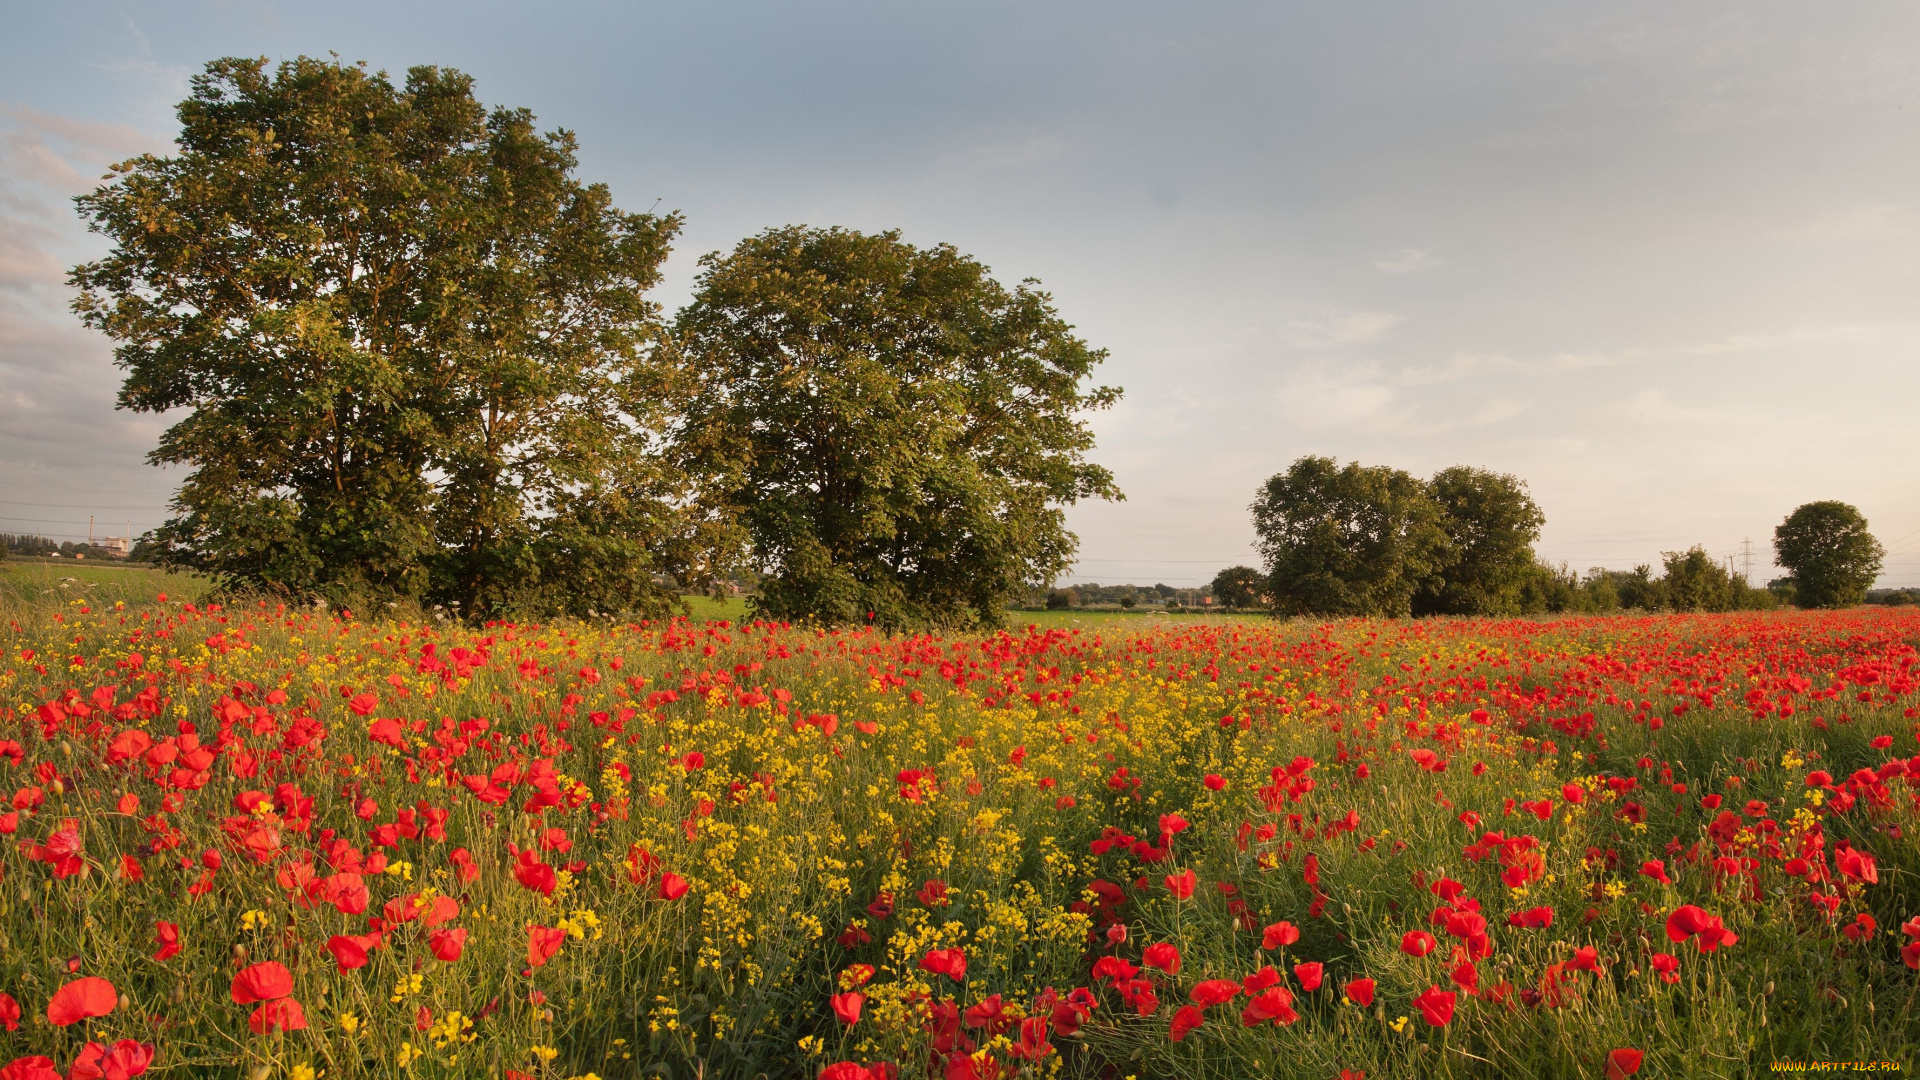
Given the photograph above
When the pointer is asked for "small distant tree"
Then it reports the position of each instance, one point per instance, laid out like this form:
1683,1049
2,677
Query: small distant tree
1348,541
1695,581
1546,588
1830,556
1491,523
1238,587
1639,589
1061,599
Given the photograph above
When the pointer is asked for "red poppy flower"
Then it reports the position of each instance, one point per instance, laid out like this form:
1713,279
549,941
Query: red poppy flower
448,944
1436,1005
348,953
1309,975
1417,943
1185,1019
125,1060
9,1012
949,962
167,936
672,886
1657,870
1623,1063
262,982
1688,921
847,1007
280,1014
1181,884
1668,966
1359,991
81,999
1163,955
1274,1003
1214,992
1279,934
1466,976
542,943
31,1067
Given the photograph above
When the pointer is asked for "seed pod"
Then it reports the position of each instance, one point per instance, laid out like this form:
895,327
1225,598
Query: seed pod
239,953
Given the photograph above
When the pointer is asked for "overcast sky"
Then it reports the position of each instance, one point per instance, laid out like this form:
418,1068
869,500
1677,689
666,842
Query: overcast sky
1658,260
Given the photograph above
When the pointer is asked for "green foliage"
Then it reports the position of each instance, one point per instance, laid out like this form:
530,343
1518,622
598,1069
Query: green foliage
1491,524
1061,599
1695,581
1829,553
896,431
1348,541
1239,587
412,346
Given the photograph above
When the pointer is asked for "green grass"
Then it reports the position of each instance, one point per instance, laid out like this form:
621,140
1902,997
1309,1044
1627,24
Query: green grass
36,581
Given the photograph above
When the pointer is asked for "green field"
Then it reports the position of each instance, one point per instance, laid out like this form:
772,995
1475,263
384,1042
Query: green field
89,582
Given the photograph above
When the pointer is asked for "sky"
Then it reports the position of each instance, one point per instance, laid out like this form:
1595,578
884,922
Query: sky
1660,261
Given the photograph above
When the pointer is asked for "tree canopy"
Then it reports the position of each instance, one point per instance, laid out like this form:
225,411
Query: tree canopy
1491,524
1239,587
896,431
1353,540
1830,556
414,350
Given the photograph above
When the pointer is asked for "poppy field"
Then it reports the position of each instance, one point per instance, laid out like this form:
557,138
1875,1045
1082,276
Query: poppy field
255,841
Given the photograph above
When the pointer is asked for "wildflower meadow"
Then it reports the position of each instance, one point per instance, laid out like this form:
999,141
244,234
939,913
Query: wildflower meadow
255,841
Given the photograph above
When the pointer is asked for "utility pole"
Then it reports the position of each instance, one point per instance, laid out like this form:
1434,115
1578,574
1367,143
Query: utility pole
89,530
1746,559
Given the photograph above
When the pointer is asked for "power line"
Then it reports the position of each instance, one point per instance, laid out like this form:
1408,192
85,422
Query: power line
75,506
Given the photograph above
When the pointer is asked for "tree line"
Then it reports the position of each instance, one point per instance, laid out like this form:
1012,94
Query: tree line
1358,540
417,362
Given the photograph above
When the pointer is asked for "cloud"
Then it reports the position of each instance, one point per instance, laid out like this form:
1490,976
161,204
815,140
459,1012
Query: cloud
59,431
1406,261
1337,330
1879,222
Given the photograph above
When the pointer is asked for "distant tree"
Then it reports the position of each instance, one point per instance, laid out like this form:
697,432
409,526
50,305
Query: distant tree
1830,556
1639,589
1696,581
1167,592
411,348
1061,599
1239,587
1491,524
1600,591
1547,589
1347,541
896,430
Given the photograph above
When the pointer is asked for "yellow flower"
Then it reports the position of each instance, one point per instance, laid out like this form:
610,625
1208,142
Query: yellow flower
301,1072
349,1023
545,1053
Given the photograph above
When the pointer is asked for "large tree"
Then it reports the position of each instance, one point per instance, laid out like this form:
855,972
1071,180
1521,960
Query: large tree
897,432
412,347
1491,524
1347,541
1830,556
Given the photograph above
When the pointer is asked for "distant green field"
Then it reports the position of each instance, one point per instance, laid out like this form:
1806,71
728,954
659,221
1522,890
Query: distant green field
36,581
